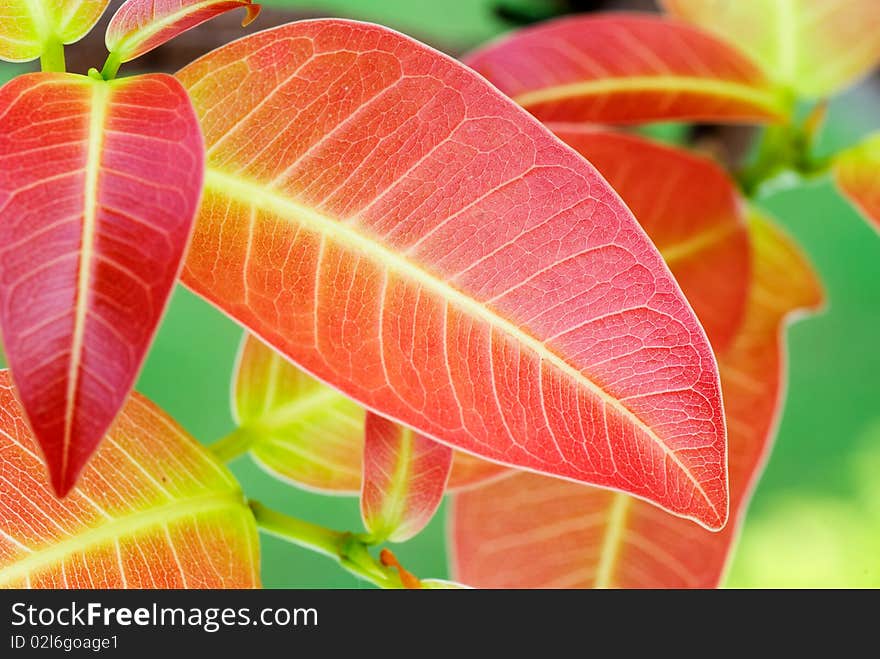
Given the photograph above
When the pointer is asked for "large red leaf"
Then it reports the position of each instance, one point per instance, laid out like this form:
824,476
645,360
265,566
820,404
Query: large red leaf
405,477
152,510
692,211
405,233
533,531
139,26
309,434
815,47
622,68
857,174
99,184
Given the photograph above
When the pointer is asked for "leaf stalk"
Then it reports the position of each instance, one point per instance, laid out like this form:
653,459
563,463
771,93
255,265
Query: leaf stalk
52,59
350,550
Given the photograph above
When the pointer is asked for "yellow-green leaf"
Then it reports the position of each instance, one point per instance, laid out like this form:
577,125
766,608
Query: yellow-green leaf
814,47
29,27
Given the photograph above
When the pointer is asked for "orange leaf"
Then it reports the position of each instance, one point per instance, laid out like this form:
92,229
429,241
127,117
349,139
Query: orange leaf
152,510
857,173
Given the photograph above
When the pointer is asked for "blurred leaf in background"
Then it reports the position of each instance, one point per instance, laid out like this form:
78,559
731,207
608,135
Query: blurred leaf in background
806,541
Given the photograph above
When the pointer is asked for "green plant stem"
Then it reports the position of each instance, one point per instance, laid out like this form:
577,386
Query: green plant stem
52,58
111,66
785,156
234,445
348,549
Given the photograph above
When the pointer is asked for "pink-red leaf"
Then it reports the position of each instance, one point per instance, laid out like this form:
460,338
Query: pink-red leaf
533,531
401,230
857,173
309,434
99,184
139,26
405,477
692,211
624,68
29,27
152,510
815,47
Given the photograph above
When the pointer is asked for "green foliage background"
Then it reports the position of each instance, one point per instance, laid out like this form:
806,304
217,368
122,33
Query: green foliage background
815,518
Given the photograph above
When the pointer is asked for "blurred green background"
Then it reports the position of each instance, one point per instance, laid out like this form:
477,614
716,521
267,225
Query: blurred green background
815,518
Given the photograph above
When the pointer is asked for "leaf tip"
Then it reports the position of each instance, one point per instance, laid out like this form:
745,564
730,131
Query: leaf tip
252,12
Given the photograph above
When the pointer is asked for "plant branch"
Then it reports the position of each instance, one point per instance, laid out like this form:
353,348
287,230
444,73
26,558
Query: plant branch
351,551
111,66
785,154
52,58
234,445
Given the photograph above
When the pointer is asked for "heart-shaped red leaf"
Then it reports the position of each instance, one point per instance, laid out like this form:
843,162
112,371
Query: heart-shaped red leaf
99,184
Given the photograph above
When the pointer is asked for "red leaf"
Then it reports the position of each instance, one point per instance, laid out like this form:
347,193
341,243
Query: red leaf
692,211
624,68
152,510
405,477
533,531
139,26
405,233
99,183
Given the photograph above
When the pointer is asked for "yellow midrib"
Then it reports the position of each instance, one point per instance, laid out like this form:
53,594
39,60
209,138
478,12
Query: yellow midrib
786,54
612,540
128,526
253,194
98,117
660,83
394,501
40,18
286,414
685,249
